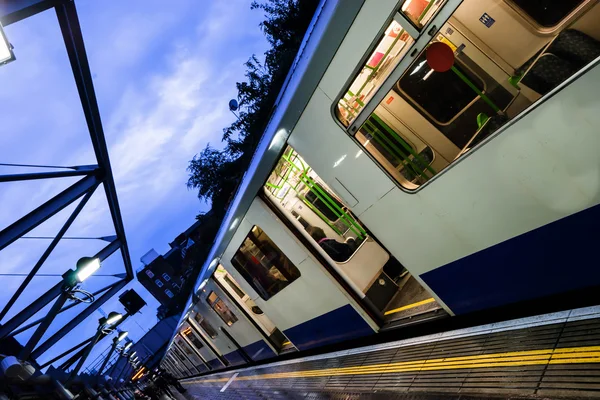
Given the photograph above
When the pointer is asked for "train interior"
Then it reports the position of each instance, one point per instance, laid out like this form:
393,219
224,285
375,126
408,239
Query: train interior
506,55
349,248
276,338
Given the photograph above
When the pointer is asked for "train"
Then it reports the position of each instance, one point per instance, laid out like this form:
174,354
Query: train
425,159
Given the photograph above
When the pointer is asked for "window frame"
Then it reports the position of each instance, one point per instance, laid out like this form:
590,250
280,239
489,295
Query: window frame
241,268
205,322
212,305
549,29
418,46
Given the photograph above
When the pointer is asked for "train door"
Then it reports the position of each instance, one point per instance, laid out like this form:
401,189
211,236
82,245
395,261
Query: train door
346,244
277,340
190,354
204,331
251,345
182,371
183,361
194,339
289,285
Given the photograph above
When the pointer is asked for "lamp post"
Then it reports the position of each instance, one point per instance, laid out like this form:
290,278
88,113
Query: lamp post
105,325
6,53
85,267
116,341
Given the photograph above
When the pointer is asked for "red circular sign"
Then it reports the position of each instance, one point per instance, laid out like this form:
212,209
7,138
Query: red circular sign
440,57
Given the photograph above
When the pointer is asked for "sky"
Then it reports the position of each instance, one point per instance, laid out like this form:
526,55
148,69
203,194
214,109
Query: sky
163,74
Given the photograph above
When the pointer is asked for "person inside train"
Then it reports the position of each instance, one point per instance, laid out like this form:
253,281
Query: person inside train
339,252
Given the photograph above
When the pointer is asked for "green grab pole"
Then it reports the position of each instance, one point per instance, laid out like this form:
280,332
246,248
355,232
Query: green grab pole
475,89
310,186
344,216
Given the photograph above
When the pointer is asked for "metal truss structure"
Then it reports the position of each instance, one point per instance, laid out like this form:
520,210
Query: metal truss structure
92,176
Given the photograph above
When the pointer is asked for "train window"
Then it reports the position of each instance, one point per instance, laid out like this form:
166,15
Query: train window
263,265
190,335
420,12
409,166
389,51
548,13
442,95
234,286
221,308
210,331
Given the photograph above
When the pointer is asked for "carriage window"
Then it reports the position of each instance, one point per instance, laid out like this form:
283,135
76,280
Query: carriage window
389,51
263,264
411,167
548,13
442,95
420,12
210,331
195,341
221,308
234,286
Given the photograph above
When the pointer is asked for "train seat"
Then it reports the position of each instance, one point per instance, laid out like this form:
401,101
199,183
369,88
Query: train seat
575,47
548,72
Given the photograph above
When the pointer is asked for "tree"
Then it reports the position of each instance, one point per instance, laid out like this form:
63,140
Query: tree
216,174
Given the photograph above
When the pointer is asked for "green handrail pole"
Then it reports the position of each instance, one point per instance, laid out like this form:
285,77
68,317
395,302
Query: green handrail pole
475,89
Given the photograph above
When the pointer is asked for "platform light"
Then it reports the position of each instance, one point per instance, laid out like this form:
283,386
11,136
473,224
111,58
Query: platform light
122,336
86,266
113,317
6,53
127,346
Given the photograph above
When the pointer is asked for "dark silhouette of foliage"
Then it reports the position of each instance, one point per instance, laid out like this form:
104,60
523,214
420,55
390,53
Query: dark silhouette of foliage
215,174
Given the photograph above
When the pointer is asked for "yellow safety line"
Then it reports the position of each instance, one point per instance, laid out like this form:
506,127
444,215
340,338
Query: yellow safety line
572,355
413,305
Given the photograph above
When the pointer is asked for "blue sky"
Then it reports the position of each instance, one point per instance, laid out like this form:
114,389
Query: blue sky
163,73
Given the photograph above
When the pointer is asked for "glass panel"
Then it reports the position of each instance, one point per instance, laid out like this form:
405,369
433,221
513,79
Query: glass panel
210,331
420,12
192,338
234,286
442,95
263,265
221,308
158,283
548,13
389,51
431,118
398,157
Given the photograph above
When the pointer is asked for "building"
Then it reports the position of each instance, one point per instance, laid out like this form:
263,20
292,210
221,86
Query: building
162,276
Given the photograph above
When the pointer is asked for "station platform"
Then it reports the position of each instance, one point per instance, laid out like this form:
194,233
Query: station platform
548,356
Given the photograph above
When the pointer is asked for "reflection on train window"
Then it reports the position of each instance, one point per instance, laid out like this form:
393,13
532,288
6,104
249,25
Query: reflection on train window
548,13
187,332
389,51
442,95
411,167
221,308
210,331
263,265
420,12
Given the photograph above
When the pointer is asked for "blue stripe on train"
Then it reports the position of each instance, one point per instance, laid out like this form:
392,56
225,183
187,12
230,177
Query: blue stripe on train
335,326
259,350
554,258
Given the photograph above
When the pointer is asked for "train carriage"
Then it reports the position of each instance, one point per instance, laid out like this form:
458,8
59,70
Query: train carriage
425,159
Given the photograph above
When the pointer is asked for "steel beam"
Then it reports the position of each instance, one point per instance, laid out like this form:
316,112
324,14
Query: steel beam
71,30
78,171
41,349
31,310
72,349
47,253
15,10
19,228
73,304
